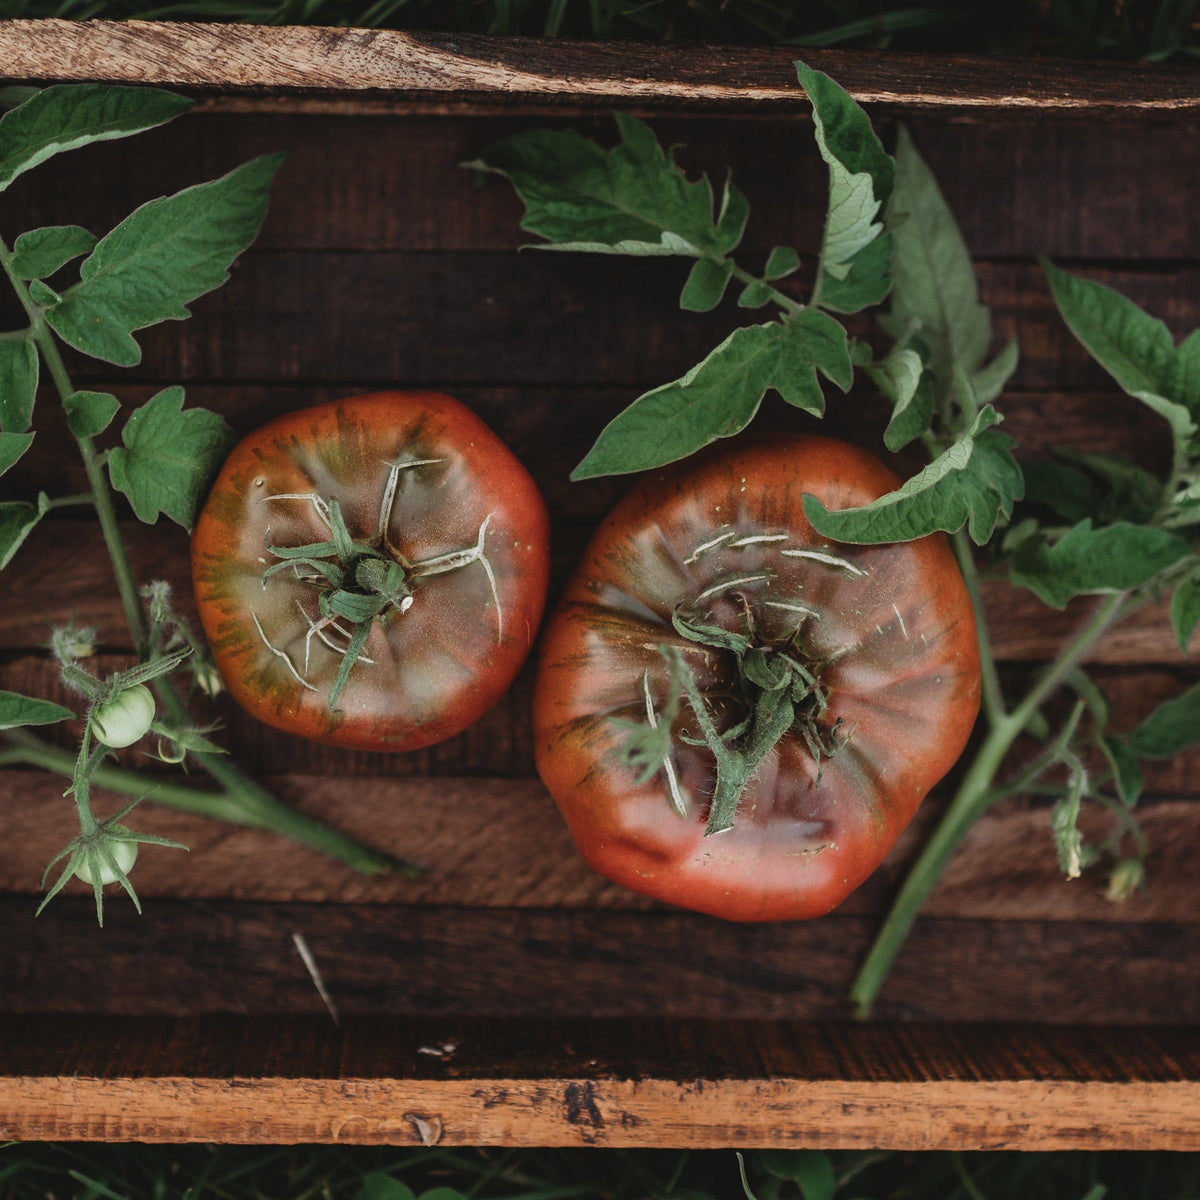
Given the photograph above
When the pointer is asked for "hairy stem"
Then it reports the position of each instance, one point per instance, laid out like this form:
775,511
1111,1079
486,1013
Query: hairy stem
975,794
252,806
993,697
791,307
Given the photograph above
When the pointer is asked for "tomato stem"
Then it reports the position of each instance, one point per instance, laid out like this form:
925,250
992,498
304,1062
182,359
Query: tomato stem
992,694
975,795
792,307
252,807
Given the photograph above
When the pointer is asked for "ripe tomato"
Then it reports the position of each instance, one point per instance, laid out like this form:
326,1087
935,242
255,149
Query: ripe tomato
371,572
708,632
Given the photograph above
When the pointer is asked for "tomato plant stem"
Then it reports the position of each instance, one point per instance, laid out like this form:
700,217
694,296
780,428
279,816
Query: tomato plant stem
992,696
254,808
789,306
975,794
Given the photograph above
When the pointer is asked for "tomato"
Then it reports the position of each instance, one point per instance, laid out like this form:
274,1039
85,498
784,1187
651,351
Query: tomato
371,572
737,716
126,718
124,854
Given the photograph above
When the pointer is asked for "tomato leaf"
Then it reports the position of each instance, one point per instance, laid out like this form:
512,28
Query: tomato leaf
66,117
379,1185
1127,775
17,710
935,296
168,458
40,252
1136,349
811,1169
18,383
163,256
782,260
90,413
1064,820
902,379
12,446
1185,610
719,396
1091,561
973,483
706,284
17,519
632,199
1172,726
855,258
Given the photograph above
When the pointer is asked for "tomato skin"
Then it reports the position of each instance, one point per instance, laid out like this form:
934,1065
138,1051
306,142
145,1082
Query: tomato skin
124,719
893,640
441,663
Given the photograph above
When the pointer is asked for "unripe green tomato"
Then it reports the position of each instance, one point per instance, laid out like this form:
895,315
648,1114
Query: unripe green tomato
124,852
125,718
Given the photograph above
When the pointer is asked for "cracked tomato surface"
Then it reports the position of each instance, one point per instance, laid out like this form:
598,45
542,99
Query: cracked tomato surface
371,572
735,714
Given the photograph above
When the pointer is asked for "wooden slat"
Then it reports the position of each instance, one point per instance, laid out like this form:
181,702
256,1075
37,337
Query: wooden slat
594,1083
401,319
67,575
197,957
486,71
1065,191
521,855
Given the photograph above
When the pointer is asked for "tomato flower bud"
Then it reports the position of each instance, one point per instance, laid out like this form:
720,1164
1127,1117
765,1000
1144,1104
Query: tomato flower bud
125,854
124,719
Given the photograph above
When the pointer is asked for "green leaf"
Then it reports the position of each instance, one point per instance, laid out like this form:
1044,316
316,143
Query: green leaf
1171,727
169,457
17,519
1102,487
89,414
17,710
1127,775
811,1169
706,284
42,293
902,379
1088,561
1185,610
1179,418
861,176
973,483
66,117
18,383
1185,374
166,254
12,446
783,260
934,292
631,199
754,295
717,398
1064,820
1135,348
812,341
990,379
40,252
378,1185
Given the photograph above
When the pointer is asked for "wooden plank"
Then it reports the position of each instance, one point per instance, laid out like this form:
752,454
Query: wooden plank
1064,191
68,575
737,1084
523,857
420,319
486,70
550,429
551,964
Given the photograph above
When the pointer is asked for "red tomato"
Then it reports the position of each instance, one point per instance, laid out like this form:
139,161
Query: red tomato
397,516
869,655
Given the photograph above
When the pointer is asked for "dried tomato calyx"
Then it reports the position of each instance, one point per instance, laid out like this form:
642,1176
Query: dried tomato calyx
359,581
777,692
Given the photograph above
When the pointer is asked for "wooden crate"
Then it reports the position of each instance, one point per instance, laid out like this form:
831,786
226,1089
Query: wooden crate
512,997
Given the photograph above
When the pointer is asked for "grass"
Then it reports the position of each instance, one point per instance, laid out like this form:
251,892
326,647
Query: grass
1147,29
135,1172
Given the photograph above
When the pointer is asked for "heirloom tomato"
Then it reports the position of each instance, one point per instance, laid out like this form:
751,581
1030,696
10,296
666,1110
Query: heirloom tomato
371,572
736,715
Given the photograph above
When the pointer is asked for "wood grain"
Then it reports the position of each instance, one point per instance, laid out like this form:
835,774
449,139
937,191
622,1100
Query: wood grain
394,183
487,71
190,958
499,843
594,1083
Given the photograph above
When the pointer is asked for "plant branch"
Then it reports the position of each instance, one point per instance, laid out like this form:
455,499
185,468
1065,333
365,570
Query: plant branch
250,806
974,796
993,696
791,307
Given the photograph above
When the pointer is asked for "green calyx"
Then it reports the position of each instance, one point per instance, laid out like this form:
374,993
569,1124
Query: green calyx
773,689
356,582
